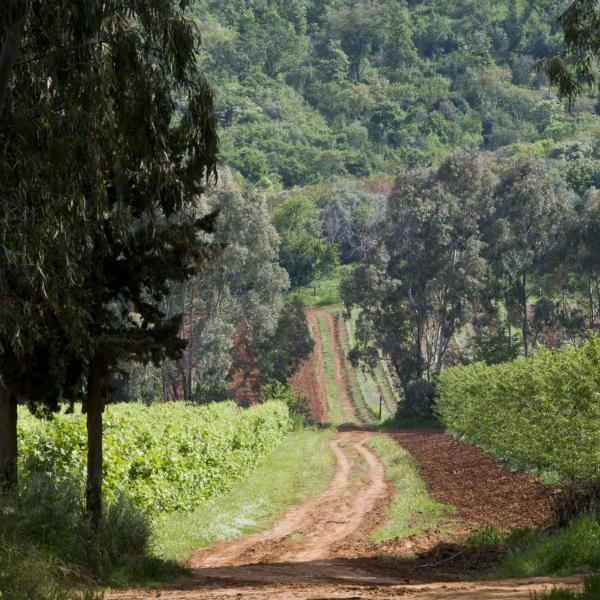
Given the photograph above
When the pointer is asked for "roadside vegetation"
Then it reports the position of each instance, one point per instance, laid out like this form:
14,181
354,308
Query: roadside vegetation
282,479
540,413
413,511
171,456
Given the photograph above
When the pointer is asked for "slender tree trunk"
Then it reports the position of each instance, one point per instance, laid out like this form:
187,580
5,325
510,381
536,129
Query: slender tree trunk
525,316
8,55
9,477
95,408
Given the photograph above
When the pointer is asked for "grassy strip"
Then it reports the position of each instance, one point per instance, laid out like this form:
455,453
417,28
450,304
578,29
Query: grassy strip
337,412
282,479
413,510
389,396
350,377
567,551
320,292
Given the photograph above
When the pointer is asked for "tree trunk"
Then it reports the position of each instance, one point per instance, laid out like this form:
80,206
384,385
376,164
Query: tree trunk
8,55
525,316
94,408
9,476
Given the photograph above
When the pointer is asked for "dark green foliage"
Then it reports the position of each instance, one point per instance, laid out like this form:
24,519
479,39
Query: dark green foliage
292,343
495,348
304,252
310,88
47,544
421,283
575,69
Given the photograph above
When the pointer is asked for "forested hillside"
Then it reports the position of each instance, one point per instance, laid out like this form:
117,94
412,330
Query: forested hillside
310,89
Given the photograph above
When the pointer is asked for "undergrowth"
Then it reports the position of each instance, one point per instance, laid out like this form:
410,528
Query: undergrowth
565,551
47,545
591,591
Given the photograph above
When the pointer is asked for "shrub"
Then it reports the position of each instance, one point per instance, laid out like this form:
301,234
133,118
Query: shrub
165,457
297,405
541,412
419,399
48,544
574,548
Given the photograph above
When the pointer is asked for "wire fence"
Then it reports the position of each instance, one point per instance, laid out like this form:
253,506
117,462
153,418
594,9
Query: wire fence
372,399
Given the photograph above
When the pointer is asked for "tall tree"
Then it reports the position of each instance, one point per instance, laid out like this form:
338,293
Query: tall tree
110,132
232,307
421,284
532,209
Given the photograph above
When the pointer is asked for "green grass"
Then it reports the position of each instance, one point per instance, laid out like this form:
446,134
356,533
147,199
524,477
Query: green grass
567,551
337,415
320,292
413,510
300,467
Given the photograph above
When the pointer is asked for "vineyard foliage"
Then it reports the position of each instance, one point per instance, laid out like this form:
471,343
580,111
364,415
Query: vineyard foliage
165,457
541,412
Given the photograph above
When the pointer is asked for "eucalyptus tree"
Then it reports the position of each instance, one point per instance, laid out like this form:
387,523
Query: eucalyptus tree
232,307
533,208
576,68
108,133
420,285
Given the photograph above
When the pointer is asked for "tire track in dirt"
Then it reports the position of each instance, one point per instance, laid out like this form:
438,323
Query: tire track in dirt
338,361
319,550
312,531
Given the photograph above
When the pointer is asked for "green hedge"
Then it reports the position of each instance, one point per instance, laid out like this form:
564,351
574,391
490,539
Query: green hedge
165,457
541,412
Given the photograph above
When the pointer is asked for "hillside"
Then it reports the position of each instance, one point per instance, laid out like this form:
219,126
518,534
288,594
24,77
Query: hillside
309,89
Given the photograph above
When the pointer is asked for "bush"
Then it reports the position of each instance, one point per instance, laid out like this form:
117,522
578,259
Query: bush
419,400
165,457
275,391
541,412
574,548
48,545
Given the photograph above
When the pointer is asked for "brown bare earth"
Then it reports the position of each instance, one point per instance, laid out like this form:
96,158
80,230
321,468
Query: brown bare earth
339,361
320,549
483,489
309,381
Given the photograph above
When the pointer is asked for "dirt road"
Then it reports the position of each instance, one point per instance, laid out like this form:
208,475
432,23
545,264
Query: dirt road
320,549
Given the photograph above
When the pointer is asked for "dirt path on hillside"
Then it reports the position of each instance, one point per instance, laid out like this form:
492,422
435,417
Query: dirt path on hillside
338,359
310,382
320,549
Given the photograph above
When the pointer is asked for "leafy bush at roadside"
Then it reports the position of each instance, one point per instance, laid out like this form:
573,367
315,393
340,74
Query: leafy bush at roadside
541,412
571,549
163,458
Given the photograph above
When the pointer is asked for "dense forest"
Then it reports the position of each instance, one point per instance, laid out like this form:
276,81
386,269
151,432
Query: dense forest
309,90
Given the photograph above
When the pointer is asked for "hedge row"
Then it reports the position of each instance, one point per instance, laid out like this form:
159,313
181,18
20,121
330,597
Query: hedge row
165,457
541,412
